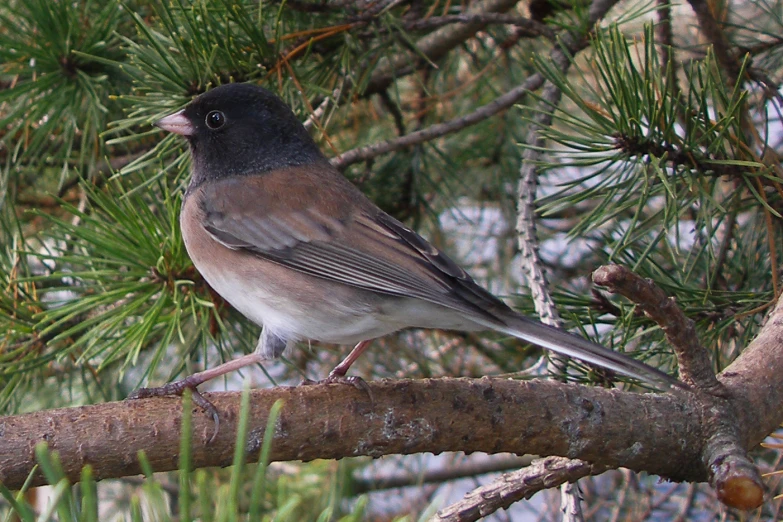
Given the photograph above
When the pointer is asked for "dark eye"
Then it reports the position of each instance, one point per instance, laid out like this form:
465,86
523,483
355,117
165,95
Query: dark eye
215,120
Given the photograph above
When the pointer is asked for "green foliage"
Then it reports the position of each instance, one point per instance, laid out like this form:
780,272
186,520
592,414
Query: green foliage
56,101
659,173
118,281
658,166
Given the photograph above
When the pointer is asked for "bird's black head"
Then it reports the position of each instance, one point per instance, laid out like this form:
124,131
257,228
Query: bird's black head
241,129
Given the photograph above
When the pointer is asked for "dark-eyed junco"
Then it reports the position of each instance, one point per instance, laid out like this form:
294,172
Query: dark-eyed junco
293,245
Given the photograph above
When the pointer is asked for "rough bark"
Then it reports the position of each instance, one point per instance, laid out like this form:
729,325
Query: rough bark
659,433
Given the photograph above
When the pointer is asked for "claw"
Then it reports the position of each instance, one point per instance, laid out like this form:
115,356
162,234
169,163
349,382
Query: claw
177,388
209,409
351,380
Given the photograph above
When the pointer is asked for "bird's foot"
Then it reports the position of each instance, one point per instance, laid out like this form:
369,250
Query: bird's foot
351,380
178,388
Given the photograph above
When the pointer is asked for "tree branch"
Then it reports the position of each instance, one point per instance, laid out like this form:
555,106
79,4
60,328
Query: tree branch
693,358
571,44
441,129
528,27
532,265
720,44
606,427
732,473
661,434
433,46
542,474
361,485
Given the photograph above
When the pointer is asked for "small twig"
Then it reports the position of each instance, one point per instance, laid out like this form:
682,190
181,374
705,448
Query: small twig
757,48
394,110
512,487
437,476
704,162
771,238
319,112
687,504
441,129
714,33
728,236
532,264
315,121
693,358
771,87
619,501
526,25
571,502
657,502
535,370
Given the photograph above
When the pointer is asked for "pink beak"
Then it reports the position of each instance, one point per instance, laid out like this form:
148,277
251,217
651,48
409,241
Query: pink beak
177,123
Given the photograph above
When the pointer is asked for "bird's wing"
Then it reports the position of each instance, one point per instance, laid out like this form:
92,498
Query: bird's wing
345,241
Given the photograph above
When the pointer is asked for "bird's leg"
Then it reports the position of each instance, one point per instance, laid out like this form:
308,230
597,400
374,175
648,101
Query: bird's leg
341,369
192,381
337,376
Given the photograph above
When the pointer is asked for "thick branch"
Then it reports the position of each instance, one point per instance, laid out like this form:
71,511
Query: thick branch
605,427
732,473
662,434
755,381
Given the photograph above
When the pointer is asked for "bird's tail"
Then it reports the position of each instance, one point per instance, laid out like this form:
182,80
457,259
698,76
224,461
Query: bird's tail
570,345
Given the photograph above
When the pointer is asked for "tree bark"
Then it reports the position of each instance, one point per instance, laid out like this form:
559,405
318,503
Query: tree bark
658,433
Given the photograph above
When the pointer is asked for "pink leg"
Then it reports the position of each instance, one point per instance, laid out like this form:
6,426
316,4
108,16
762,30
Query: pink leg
341,369
191,381
337,376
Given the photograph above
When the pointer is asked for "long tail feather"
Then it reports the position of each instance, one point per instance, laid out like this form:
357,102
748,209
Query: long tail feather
570,345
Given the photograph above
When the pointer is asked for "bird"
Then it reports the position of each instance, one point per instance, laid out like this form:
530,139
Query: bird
295,247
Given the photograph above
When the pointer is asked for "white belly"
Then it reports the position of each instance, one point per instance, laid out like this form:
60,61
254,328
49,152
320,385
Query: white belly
329,319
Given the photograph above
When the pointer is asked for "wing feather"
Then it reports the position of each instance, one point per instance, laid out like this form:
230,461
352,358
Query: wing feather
366,249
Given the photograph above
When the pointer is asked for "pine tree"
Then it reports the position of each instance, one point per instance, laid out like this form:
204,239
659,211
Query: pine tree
613,169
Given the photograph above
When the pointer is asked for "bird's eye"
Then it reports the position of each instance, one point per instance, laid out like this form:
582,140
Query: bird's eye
215,120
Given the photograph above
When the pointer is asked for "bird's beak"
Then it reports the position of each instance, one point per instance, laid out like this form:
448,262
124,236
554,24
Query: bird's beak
177,123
